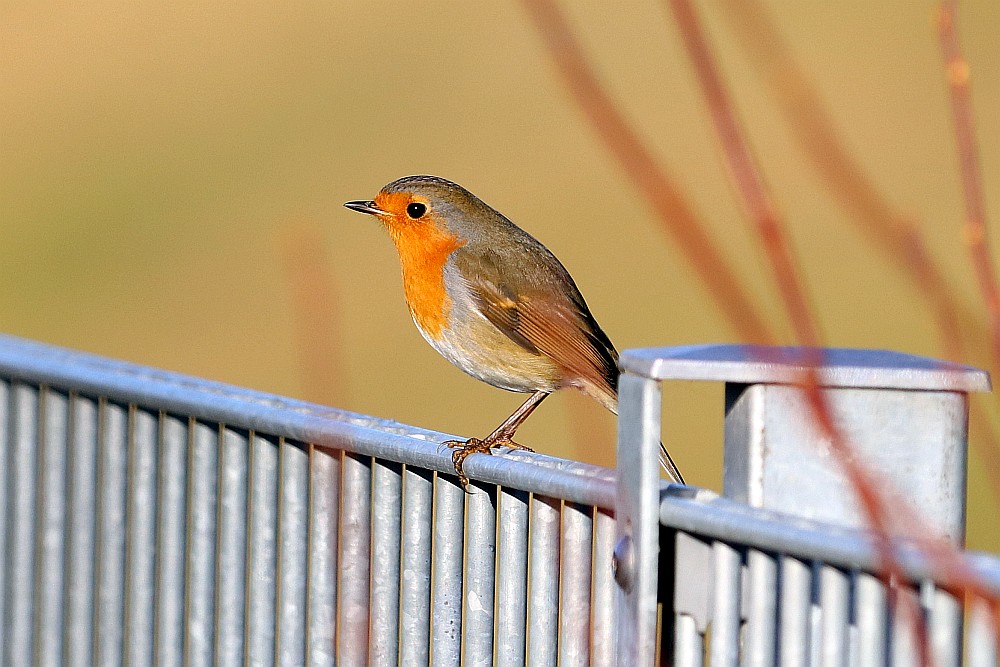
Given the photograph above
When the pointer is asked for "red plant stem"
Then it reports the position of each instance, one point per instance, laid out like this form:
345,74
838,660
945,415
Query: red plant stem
650,178
306,263
891,231
749,183
964,121
745,175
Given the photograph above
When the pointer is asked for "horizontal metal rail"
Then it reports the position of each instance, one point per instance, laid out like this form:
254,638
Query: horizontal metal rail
705,513
151,517
297,420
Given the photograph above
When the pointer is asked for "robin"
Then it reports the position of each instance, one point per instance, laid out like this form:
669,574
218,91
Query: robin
495,302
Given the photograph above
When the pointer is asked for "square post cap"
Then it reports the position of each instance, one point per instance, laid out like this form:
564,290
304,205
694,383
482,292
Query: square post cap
841,367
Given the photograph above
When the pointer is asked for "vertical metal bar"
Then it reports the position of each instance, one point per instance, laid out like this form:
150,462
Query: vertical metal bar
762,608
293,522
170,539
575,555
602,640
230,573
355,545
21,487
725,645
689,646
872,620
141,540
834,595
110,608
480,568
637,508
387,496
945,627
81,524
796,610
446,581
903,637
512,578
324,504
415,583
51,531
199,618
262,550
981,642
6,465
543,607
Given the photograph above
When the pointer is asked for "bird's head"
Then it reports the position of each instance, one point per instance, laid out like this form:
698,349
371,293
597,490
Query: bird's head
421,205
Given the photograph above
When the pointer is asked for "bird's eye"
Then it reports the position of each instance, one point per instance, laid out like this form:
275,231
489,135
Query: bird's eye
416,209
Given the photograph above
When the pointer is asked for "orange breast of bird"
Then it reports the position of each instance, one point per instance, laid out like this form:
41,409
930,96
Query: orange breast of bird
423,248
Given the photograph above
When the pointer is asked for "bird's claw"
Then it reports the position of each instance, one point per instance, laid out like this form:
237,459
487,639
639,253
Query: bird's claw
463,449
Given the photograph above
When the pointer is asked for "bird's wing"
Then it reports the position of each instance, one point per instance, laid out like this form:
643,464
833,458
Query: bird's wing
549,317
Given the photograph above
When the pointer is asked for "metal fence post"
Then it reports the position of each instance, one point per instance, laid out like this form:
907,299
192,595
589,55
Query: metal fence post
637,515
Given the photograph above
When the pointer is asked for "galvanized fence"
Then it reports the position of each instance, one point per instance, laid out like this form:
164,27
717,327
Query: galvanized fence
152,518
749,585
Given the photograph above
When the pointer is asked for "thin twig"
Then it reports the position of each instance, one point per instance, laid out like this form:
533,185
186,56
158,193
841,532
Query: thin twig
894,233
750,185
964,121
652,180
306,263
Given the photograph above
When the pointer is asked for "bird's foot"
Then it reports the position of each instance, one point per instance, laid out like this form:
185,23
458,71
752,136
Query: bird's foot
476,446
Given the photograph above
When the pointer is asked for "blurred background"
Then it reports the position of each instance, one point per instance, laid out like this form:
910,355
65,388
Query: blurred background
172,179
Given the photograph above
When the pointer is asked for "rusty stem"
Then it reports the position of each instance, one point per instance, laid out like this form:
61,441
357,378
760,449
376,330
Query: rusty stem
974,232
964,122
659,188
749,183
894,233
745,176
306,263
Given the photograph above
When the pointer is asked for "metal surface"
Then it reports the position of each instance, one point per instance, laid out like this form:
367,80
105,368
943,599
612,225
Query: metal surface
749,364
150,517
512,578
543,584
387,495
785,588
775,458
415,584
575,571
480,568
636,514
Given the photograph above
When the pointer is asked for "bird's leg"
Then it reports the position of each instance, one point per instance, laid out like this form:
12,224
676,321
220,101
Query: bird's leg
502,436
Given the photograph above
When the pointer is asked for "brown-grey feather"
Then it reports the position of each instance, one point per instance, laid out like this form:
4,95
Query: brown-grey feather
553,322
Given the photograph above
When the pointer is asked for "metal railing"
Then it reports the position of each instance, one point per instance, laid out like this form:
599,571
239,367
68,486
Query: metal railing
152,518
754,586
789,591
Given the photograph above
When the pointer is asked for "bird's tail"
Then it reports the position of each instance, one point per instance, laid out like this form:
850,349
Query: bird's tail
607,395
669,466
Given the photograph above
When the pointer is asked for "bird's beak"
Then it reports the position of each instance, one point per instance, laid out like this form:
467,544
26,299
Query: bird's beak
368,207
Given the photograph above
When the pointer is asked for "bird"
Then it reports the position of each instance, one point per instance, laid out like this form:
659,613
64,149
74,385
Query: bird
495,302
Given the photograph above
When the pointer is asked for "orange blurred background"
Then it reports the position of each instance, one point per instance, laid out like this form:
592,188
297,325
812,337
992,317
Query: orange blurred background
171,181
